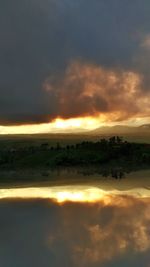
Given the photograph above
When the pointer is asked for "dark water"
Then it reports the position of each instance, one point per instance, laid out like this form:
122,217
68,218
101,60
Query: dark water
111,231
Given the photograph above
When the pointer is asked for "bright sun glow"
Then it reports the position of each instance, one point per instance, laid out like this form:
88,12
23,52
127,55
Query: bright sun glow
71,193
71,125
59,193
81,123
58,125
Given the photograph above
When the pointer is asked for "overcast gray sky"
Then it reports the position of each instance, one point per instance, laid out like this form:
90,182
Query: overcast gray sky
52,52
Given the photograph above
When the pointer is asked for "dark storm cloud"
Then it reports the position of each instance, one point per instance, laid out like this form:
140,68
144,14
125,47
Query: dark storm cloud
40,38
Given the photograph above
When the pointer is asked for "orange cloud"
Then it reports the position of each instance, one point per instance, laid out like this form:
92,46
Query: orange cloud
91,90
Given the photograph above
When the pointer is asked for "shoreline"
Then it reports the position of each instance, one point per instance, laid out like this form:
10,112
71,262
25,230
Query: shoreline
65,177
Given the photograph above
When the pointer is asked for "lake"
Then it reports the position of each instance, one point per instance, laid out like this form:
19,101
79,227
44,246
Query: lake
87,222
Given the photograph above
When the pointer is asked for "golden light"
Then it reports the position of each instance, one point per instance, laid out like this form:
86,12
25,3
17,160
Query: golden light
59,193
57,125
72,125
77,123
72,193
97,95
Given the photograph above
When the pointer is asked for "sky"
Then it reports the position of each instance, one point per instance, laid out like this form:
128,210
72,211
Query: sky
65,59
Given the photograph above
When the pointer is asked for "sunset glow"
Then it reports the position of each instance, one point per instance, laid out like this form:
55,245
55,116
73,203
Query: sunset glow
78,193
58,125
75,133
59,194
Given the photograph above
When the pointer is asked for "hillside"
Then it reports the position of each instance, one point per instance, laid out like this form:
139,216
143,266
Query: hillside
122,129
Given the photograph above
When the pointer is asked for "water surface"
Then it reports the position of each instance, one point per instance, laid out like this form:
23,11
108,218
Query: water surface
91,223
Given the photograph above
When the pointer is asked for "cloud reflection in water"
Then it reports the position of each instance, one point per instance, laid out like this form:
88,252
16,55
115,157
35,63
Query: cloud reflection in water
42,232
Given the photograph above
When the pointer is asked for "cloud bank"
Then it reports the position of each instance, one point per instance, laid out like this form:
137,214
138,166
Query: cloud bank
46,39
87,89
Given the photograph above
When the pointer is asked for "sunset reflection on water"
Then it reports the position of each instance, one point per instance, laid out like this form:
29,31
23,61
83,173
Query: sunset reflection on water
73,193
84,226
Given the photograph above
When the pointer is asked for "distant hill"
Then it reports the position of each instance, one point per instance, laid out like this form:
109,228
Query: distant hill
145,126
122,129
